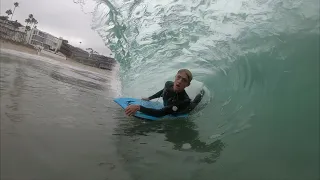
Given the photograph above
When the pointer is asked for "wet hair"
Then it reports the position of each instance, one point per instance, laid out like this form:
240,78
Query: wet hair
188,73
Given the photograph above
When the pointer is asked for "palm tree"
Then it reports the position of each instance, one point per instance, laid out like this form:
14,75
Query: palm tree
16,4
90,49
28,28
34,22
9,12
28,21
31,20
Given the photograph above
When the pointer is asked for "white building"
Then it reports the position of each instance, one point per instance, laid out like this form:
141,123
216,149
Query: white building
36,37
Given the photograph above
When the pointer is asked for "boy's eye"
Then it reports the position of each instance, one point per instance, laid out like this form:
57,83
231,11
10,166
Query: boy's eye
183,79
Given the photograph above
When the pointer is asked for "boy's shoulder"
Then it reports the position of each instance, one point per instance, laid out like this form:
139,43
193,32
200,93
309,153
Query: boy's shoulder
169,83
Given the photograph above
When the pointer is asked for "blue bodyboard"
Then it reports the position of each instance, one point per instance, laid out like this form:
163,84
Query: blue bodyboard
125,102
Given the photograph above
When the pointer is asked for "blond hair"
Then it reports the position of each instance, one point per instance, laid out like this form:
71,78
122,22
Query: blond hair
188,73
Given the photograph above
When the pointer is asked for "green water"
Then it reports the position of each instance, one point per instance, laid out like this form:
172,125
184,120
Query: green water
259,63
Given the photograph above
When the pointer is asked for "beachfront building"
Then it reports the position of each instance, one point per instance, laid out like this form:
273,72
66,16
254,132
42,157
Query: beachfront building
45,40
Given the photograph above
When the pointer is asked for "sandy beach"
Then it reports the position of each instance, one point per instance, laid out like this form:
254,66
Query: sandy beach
9,45
5,44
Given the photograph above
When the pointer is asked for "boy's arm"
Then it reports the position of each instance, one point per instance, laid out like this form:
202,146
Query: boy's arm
165,110
156,95
167,85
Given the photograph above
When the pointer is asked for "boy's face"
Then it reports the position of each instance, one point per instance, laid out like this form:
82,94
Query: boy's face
181,81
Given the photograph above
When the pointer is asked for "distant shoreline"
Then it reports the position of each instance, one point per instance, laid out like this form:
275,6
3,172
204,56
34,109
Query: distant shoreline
6,44
11,45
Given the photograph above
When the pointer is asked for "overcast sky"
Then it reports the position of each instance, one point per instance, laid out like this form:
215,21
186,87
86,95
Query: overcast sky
61,18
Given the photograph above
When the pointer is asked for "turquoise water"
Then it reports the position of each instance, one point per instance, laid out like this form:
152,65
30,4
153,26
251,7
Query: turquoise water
259,63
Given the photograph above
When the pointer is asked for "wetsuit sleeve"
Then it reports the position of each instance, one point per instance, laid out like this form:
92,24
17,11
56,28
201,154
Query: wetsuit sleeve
156,95
165,110
159,94
194,103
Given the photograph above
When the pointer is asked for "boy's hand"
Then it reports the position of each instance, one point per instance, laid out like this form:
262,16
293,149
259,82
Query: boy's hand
132,109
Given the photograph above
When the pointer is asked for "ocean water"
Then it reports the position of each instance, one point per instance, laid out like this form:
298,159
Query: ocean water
259,63
56,120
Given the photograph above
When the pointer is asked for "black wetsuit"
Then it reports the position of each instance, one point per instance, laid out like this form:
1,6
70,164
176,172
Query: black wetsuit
174,103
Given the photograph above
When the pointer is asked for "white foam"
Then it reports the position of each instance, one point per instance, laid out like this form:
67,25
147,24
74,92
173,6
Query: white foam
115,80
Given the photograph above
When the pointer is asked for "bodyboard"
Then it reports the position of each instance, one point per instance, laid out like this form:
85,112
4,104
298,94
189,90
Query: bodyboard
125,102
